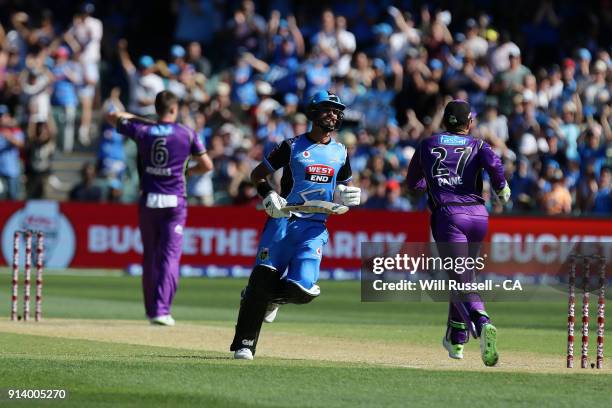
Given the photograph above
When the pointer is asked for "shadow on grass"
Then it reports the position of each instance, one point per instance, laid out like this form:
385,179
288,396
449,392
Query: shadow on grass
230,357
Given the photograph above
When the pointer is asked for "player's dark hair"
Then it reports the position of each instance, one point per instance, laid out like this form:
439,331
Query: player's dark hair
457,115
164,102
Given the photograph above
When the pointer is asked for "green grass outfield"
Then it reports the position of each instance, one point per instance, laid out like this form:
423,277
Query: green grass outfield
337,351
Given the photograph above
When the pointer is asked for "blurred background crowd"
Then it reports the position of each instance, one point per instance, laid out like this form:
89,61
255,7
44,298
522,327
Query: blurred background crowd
537,73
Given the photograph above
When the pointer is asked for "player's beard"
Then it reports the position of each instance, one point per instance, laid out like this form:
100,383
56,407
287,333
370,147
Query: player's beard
327,124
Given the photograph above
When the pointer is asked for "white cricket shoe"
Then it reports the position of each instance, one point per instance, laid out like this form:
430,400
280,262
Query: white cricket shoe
454,350
165,320
271,312
243,354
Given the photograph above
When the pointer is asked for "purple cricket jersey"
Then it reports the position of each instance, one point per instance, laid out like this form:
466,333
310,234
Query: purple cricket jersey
164,150
451,166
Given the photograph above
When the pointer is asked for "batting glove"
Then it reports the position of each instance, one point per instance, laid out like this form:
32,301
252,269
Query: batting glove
504,194
349,195
273,204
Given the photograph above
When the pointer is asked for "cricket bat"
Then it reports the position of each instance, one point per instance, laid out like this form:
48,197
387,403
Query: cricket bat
317,207
314,207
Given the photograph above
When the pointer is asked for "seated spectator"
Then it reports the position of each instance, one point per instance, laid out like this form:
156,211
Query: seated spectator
523,186
603,199
592,151
247,195
377,199
558,200
395,202
114,191
87,190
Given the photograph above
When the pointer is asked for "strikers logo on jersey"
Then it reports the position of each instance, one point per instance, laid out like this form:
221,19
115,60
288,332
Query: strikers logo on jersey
319,173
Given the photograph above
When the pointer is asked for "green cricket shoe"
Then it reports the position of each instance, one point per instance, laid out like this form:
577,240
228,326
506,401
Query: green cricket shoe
488,345
454,350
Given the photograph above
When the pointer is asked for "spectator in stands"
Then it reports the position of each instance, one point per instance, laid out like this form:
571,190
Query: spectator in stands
523,186
85,37
603,199
111,152
39,151
35,80
144,82
558,200
87,189
474,44
247,195
197,59
395,202
244,91
66,75
509,82
389,65
114,191
11,143
592,151
325,40
247,29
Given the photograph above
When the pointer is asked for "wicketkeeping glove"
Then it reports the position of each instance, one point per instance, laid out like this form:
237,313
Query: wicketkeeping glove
349,195
273,204
504,194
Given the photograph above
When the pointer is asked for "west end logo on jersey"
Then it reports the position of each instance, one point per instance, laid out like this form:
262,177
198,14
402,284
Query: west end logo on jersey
319,173
452,140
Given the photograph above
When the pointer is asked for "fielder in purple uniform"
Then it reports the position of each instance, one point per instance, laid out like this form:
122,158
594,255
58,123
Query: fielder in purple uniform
164,151
450,166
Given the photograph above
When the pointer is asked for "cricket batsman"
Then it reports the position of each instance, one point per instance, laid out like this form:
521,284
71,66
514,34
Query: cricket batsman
451,164
315,166
164,150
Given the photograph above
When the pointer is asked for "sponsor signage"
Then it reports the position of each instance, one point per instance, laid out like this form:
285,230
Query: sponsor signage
107,235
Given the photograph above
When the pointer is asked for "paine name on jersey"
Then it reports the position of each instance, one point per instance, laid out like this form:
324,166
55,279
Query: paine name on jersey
449,181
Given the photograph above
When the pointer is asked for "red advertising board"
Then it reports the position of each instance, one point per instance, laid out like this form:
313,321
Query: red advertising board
107,235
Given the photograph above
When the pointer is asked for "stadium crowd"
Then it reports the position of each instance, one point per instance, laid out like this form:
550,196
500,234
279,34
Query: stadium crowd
244,71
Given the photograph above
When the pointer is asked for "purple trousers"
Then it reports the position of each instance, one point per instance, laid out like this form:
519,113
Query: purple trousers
161,231
466,225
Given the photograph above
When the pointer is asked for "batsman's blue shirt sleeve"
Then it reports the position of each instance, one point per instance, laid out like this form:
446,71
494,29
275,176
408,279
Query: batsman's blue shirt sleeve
279,157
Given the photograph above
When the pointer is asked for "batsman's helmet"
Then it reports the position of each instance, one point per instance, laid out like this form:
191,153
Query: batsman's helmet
322,100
